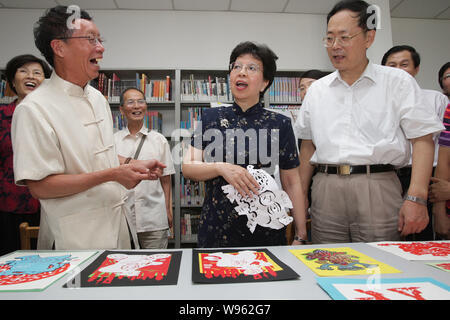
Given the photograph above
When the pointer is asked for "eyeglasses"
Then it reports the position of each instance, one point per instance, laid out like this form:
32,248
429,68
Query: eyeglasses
94,40
238,67
35,73
131,102
344,41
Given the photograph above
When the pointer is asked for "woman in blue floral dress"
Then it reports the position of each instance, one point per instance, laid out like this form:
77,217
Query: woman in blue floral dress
231,138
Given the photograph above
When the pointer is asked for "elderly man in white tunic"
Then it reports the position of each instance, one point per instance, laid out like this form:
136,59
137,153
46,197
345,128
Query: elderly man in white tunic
64,147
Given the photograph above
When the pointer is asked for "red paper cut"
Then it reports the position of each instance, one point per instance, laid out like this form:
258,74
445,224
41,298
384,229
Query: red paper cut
437,249
412,292
445,266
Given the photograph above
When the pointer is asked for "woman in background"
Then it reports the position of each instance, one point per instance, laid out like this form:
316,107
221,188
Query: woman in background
24,74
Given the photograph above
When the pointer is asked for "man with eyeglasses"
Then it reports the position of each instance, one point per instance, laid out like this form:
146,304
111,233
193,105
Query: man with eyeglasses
355,124
64,148
150,201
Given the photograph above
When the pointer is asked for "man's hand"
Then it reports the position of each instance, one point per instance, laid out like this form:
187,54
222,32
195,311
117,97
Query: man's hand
169,217
155,168
413,218
129,175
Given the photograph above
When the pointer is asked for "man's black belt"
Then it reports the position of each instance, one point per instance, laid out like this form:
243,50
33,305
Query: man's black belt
348,169
405,171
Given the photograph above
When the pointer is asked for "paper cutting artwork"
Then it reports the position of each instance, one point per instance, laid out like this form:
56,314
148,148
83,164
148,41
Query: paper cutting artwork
130,268
268,208
340,261
231,266
426,250
444,266
36,270
385,289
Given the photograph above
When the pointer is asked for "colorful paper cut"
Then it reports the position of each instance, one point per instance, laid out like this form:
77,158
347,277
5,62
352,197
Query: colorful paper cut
385,289
35,271
130,268
426,250
231,266
340,261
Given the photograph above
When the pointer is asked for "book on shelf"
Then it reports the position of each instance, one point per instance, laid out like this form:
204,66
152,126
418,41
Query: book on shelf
192,192
194,118
189,223
152,120
189,125
157,90
285,89
154,90
119,121
211,89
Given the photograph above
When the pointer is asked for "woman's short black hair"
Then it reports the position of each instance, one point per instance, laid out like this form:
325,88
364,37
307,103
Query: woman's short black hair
52,25
441,74
357,6
18,61
414,54
261,52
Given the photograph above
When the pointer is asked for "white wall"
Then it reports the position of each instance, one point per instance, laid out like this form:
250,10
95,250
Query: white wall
431,39
193,40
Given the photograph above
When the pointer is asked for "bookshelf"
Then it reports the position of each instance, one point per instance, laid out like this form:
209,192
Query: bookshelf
284,94
205,86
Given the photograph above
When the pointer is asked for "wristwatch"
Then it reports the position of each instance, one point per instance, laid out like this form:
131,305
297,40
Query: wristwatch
416,199
127,160
297,238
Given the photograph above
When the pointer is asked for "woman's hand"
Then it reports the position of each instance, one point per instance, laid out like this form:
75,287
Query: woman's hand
439,190
239,178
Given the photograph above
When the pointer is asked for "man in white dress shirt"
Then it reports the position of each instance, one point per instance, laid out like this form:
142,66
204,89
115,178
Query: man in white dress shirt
408,59
64,147
355,124
151,201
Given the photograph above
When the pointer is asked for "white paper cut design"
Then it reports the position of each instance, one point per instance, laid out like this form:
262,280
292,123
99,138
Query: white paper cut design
268,208
131,265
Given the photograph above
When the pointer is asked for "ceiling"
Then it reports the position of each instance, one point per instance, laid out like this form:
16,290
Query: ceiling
430,9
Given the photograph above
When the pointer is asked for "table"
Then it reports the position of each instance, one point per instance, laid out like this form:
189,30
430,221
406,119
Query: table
303,288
